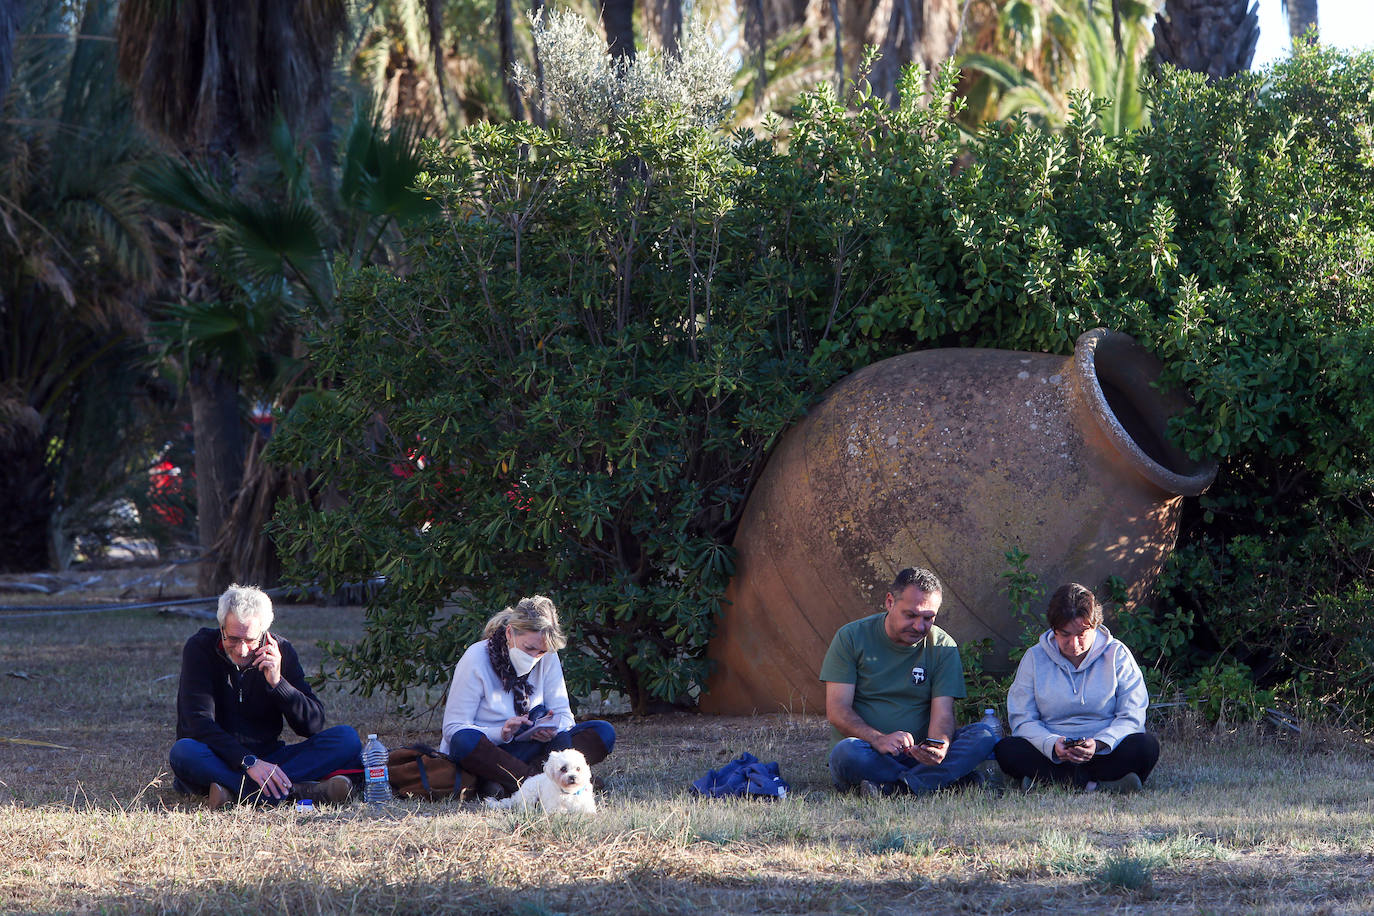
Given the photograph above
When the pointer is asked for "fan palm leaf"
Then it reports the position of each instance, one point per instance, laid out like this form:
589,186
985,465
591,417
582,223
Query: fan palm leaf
9,21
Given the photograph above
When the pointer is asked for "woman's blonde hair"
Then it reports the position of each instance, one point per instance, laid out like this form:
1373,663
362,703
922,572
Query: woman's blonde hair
530,615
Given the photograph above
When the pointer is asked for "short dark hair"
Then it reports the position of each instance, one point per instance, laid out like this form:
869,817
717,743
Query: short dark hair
1073,602
917,577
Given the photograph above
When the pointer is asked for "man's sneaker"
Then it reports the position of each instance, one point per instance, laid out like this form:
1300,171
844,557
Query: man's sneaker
337,789
1123,786
218,797
869,789
333,791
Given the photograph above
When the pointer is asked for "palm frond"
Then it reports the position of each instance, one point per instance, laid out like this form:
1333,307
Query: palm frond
270,239
182,185
379,168
9,21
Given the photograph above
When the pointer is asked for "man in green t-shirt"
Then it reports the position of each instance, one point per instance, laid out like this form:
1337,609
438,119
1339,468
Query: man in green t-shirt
890,684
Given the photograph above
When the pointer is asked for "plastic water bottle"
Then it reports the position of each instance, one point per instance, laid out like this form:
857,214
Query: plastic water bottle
991,720
376,784
992,773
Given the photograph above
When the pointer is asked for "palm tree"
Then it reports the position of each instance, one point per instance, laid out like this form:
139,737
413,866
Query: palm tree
1302,15
9,19
1038,51
278,228
210,76
1215,37
76,257
904,31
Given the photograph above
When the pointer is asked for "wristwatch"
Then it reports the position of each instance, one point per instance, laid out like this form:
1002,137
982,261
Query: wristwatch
248,762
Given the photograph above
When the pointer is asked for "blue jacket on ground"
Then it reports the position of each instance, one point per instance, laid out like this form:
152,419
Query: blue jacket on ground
744,775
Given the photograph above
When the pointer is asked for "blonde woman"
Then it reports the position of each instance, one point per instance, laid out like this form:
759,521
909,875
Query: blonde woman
508,705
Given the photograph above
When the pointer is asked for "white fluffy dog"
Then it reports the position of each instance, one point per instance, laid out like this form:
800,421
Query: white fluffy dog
565,786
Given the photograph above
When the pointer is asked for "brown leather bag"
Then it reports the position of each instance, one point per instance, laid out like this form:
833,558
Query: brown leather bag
419,771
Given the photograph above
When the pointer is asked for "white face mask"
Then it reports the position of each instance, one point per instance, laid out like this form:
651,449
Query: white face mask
523,661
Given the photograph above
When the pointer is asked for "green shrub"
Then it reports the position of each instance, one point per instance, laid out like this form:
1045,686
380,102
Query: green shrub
589,360
595,349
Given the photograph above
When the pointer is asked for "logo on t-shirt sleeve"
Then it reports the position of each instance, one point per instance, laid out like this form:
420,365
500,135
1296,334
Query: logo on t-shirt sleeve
918,675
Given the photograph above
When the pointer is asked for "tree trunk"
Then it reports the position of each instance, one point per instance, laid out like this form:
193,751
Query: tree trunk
505,39
897,50
928,28
757,39
1215,37
618,19
25,490
218,429
670,26
837,22
539,108
1302,15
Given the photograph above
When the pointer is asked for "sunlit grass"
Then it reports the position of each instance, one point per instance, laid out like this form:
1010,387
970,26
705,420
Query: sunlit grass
1239,822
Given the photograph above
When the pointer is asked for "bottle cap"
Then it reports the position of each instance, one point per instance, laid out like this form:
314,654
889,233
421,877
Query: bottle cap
371,737
304,804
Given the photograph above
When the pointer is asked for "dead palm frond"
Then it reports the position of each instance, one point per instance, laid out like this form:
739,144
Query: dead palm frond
210,75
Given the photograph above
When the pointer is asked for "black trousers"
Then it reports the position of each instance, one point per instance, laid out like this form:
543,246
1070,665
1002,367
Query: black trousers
1018,758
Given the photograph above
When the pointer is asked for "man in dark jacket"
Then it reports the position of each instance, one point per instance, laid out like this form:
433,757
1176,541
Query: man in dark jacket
239,685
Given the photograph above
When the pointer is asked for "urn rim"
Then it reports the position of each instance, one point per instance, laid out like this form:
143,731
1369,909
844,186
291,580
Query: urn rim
1116,376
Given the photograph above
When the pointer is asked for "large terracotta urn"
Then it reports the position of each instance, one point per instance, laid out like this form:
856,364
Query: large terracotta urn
949,459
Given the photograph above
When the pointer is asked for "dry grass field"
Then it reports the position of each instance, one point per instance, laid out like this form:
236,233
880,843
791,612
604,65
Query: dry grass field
1241,822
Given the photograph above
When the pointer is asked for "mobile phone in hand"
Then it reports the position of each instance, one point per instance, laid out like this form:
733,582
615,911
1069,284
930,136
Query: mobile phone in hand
540,717
1076,742
933,742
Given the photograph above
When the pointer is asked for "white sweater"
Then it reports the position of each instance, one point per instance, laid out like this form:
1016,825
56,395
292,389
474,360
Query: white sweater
476,698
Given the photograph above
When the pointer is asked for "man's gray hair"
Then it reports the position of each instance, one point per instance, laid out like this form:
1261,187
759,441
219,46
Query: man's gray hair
916,577
248,603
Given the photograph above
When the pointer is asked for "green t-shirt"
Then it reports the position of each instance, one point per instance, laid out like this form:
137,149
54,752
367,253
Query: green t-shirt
893,683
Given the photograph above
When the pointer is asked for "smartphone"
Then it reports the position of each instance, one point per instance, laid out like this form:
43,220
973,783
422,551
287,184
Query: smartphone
933,742
535,716
1076,742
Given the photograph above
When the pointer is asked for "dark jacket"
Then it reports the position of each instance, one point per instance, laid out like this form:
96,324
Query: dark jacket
235,712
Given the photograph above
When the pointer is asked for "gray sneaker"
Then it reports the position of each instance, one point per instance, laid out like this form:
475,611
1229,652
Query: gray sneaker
1123,786
869,789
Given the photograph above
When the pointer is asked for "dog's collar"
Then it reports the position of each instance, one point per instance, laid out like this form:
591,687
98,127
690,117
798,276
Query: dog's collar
578,792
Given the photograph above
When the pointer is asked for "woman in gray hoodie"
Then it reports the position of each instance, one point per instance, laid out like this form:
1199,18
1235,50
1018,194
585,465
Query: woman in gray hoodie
1077,706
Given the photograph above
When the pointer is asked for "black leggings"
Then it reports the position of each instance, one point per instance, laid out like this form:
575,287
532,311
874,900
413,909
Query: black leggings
1139,752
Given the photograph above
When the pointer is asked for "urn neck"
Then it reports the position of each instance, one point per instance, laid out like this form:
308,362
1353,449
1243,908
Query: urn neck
1118,379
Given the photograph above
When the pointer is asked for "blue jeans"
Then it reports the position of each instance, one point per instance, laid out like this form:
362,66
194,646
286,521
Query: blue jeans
462,742
195,766
852,761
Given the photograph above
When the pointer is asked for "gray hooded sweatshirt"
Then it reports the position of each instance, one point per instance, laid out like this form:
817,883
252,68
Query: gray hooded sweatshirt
1103,698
